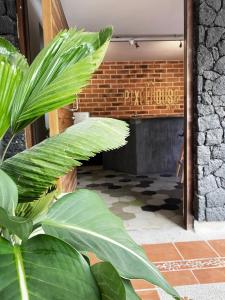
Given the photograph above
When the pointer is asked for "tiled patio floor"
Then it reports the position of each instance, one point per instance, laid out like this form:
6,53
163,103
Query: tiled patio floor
195,269
197,263
126,195
193,262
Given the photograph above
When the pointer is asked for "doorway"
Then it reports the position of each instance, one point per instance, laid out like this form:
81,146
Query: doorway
188,185
187,215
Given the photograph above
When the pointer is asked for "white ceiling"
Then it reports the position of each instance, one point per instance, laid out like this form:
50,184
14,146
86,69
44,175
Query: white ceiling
131,18
160,50
128,17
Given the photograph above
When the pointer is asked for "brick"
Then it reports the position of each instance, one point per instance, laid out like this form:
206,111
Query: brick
105,94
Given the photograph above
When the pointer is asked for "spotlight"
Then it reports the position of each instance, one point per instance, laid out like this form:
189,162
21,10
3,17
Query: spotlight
131,42
180,45
136,45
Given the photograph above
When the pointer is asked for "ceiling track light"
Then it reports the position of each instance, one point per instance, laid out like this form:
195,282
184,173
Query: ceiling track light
150,38
131,42
136,44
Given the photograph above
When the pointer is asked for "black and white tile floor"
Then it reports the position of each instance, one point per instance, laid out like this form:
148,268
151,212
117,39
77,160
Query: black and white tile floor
143,202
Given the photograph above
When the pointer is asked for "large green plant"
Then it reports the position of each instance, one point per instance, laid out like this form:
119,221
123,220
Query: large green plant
44,244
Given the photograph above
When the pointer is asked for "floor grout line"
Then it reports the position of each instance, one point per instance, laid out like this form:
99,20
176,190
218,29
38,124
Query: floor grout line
211,247
191,259
195,277
178,251
146,290
196,269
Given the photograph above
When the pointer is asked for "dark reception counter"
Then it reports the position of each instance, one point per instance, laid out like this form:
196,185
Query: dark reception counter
154,146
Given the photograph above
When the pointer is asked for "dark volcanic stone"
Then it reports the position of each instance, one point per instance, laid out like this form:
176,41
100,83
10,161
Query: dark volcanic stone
16,146
215,53
11,8
206,15
220,66
220,19
210,75
221,47
201,34
219,86
213,36
2,8
216,4
205,59
215,214
7,25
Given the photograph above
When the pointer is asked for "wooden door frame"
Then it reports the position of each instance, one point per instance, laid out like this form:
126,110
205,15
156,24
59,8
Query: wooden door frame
188,115
188,99
24,46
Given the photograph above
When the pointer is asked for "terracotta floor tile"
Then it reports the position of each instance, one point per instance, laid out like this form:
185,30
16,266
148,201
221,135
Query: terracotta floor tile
149,295
162,252
197,249
212,275
139,284
219,246
93,258
176,278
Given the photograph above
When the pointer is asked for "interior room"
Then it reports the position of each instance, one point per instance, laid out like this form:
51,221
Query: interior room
140,81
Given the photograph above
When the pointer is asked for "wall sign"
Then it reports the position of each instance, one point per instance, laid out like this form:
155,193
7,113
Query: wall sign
152,95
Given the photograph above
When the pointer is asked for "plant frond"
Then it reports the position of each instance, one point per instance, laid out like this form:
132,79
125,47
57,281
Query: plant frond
37,169
58,74
13,56
10,77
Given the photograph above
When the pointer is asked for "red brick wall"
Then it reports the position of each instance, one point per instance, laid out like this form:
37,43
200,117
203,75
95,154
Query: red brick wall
105,96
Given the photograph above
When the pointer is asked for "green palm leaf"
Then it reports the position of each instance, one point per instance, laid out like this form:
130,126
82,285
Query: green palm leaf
111,285
37,169
109,282
58,73
44,268
83,220
8,202
8,193
13,66
10,77
12,55
15,225
36,210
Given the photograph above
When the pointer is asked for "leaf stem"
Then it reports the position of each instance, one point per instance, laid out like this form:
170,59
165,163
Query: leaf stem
6,148
21,273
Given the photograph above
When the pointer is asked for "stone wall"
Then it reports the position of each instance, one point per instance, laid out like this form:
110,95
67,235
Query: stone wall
8,30
210,110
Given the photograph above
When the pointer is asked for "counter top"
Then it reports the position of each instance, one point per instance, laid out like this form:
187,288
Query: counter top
153,117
